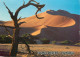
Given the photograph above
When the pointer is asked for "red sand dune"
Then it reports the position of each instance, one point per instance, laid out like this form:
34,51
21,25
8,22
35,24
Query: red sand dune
56,25
48,20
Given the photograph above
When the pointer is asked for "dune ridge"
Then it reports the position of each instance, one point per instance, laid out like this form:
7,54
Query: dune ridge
49,20
59,25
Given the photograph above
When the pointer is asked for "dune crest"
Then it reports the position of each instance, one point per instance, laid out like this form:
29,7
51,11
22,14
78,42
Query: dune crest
56,25
49,20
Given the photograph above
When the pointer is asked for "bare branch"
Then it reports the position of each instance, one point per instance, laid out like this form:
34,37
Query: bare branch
7,26
39,7
11,13
8,32
21,7
37,16
10,36
35,2
23,2
19,19
21,23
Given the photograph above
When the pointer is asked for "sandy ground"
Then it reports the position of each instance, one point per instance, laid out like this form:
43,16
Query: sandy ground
58,50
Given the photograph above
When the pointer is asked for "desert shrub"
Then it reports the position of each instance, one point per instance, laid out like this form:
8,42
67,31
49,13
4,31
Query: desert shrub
25,35
45,41
53,42
8,40
2,38
29,38
77,43
5,39
67,42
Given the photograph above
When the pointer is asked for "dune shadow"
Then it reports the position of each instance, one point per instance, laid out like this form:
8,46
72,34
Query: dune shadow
60,33
64,13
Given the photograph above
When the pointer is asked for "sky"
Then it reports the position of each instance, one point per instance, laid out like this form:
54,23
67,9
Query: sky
72,6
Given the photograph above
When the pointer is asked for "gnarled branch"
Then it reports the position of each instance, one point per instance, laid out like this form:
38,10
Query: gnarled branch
23,2
8,32
19,19
35,2
39,7
21,7
7,29
11,13
21,23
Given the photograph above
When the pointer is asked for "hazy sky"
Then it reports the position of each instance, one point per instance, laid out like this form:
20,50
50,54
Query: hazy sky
71,6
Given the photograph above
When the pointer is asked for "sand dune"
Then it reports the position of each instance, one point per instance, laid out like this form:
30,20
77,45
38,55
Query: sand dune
48,20
55,24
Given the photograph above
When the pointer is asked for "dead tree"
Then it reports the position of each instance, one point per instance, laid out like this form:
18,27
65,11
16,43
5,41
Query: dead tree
16,27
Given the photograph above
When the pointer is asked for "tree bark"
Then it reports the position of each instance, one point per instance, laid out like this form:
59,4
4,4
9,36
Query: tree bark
15,41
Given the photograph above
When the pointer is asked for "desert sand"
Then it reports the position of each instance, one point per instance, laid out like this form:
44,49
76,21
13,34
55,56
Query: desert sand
48,20
56,25
44,47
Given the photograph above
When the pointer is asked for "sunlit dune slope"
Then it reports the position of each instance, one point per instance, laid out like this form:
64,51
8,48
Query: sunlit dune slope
48,20
56,25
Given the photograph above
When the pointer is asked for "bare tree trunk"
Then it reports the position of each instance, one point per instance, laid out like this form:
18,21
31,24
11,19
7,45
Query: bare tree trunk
14,48
15,41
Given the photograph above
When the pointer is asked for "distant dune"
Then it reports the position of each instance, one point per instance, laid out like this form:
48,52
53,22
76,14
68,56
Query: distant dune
56,25
1,22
